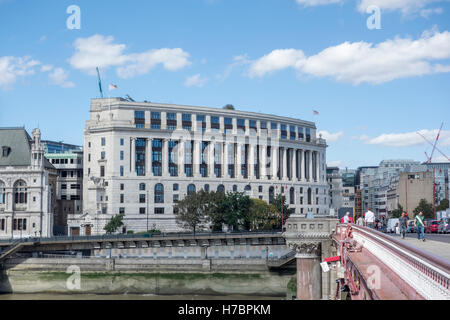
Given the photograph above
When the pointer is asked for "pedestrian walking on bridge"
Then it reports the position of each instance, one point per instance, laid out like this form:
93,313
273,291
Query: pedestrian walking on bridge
369,219
403,221
420,226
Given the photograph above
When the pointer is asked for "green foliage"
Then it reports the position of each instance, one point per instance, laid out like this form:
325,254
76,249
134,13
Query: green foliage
115,223
277,203
397,213
236,210
263,216
198,208
426,208
444,205
229,107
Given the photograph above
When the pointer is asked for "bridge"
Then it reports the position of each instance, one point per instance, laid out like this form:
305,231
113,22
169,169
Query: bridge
345,261
268,247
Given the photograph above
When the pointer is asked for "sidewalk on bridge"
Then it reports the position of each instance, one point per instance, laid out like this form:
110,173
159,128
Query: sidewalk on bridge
439,249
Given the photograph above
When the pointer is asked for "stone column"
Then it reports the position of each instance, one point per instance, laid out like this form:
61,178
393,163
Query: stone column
225,160
274,163
238,165
149,157
210,155
310,166
181,158
309,272
196,159
285,160
251,161
263,162
318,156
302,165
294,165
165,157
133,155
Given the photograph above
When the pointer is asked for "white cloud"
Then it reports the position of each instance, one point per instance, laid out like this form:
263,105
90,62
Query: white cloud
46,68
12,68
59,77
312,3
196,80
405,6
100,51
410,139
362,62
277,60
426,13
331,137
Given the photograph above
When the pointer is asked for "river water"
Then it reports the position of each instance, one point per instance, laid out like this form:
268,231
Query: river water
49,296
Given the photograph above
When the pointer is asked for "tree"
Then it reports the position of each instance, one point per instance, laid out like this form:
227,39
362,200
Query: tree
259,215
444,205
115,223
426,208
229,107
235,208
189,213
397,213
277,203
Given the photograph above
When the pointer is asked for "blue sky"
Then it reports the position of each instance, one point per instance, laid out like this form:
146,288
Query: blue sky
373,88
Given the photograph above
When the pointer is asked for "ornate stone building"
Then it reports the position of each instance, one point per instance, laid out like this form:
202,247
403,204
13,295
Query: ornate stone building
27,185
142,158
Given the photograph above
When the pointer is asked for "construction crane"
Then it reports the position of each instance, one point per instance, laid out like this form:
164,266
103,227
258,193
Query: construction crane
429,159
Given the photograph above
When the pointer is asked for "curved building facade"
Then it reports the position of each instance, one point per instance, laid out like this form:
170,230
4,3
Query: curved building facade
141,158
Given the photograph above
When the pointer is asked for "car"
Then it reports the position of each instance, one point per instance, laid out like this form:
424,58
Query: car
391,224
433,226
443,225
411,227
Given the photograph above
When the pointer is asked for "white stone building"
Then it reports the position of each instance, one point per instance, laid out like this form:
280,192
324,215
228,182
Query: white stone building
27,186
141,158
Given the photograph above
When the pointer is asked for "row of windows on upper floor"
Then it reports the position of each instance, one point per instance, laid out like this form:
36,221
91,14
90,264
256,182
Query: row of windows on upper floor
171,124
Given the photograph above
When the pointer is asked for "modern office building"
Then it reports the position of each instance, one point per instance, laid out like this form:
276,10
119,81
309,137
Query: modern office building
142,158
69,188
27,185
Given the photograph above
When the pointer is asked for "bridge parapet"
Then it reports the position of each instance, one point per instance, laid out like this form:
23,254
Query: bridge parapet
425,273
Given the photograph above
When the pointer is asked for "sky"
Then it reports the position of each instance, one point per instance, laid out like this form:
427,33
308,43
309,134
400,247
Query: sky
377,71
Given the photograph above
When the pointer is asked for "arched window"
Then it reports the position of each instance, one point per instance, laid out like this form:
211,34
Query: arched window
20,192
221,189
271,190
159,193
206,188
235,188
2,193
175,187
248,188
309,196
190,189
292,195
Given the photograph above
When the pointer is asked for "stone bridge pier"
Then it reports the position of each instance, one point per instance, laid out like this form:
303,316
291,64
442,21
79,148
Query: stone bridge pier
311,238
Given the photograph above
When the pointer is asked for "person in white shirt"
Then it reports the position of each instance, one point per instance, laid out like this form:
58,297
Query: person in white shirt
360,221
347,217
369,218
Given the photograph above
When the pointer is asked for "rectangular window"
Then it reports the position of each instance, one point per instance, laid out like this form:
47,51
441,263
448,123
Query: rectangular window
201,118
140,156
122,198
103,142
283,132
122,155
155,120
215,123
171,121
292,132
263,125
121,171
122,187
103,155
308,134
274,126
63,186
139,119
175,198
122,141
121,210
159,210
301,136
141,210
228,124
241,124
102,171
142,198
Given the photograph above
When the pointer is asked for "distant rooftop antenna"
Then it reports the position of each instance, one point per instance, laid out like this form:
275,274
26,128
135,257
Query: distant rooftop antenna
99,83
